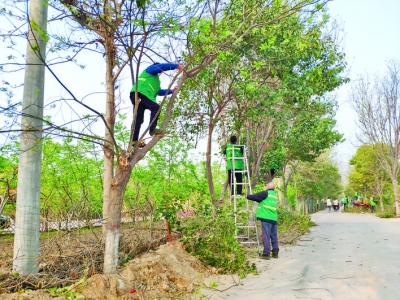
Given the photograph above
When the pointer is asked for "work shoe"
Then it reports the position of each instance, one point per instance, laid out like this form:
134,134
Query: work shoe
275,254
265,256
155,131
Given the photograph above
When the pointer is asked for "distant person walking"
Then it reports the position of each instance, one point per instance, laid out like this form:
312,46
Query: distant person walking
329,204
267,214
335,205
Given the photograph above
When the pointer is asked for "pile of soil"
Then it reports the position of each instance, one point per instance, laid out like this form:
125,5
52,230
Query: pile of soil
168,272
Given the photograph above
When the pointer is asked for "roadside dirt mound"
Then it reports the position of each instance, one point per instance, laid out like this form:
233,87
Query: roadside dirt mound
168,272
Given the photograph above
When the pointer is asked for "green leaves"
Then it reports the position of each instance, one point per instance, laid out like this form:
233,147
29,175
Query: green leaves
210,235
121,132
318,179
367,174
36,28
169,179
71,179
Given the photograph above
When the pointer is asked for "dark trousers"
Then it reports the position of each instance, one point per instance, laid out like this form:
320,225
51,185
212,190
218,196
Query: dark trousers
145,103
239,181
269,236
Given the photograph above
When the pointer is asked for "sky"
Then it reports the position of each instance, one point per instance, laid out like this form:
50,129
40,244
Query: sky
371,38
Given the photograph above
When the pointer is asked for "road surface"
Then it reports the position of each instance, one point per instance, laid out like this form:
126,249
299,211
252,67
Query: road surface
346,256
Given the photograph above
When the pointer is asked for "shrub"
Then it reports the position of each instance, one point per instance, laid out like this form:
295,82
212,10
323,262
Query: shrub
292,225
210,235
386,214
358,209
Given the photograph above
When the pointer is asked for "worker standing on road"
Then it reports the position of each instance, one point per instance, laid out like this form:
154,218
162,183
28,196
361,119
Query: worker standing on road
267,214
373,203
345,203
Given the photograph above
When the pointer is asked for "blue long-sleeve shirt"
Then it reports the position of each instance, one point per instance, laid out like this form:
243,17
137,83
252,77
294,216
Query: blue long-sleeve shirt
156,69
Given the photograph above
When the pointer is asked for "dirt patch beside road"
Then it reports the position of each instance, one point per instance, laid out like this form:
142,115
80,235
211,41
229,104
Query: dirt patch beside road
167,273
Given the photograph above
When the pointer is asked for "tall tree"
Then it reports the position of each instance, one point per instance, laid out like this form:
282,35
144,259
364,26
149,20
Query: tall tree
307,137
27,224
368,176
318,179
276,69
377,105
125,30
294,67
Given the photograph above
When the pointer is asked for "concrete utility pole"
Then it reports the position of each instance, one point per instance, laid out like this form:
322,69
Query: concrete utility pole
27,225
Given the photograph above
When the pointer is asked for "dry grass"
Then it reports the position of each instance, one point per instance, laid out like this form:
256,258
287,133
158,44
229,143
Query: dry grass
67,257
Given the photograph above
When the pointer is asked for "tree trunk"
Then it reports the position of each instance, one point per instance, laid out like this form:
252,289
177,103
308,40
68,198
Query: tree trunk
109,130
281,200
208,165
113,222
223,190
111,192
395,184
287,175
27,225
379,184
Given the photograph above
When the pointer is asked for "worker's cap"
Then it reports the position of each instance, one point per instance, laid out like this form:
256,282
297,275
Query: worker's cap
270,186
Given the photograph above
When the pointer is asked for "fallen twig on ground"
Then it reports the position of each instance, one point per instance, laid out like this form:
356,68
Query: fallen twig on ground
336,277
297,277
314,289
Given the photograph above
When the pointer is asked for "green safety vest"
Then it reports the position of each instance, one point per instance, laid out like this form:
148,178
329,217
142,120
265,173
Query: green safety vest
267,208
148,85
372,202
345,200
234,151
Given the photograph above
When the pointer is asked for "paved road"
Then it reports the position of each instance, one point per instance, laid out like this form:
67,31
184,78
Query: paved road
346,256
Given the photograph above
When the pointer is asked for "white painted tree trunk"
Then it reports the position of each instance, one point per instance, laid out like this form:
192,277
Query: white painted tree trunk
111,251
27,224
